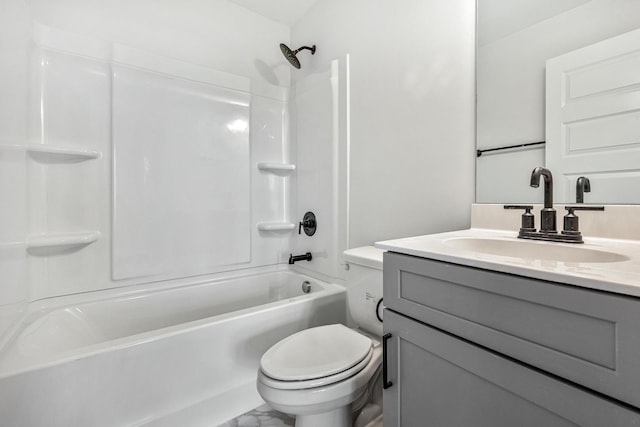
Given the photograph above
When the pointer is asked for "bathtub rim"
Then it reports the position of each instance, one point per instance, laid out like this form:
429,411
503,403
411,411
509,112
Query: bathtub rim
12,369
32,310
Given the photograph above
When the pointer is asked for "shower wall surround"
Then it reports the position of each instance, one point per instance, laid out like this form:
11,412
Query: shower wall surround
125,162
15,31
169,192
182,193
320,135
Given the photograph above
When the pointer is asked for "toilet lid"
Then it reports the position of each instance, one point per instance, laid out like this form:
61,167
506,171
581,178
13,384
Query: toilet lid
314,353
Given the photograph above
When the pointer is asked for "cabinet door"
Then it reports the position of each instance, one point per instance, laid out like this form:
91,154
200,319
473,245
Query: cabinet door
439,380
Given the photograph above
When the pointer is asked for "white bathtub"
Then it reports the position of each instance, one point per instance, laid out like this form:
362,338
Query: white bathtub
181,356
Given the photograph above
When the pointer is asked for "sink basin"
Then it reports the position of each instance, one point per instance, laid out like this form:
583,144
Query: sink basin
525,249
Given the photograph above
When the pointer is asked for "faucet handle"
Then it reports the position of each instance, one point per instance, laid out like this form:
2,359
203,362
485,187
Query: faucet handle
518,207
571,226
584,208
528,219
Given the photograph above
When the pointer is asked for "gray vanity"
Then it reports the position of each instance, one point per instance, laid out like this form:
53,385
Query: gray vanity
471,343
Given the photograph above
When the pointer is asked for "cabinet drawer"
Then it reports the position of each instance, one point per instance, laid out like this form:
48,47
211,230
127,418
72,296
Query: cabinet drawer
438,380
589,337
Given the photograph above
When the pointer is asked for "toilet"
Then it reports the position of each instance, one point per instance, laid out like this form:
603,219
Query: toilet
325,376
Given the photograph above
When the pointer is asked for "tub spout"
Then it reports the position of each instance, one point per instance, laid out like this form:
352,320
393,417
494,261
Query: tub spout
295,258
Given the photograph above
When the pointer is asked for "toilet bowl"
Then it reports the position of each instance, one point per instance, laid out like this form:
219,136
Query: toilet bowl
324,375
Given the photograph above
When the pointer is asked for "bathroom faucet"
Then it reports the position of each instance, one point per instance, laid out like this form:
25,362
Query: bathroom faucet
570,232
547,214
582,186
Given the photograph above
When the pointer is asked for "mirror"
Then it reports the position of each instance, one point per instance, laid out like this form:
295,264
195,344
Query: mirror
515,39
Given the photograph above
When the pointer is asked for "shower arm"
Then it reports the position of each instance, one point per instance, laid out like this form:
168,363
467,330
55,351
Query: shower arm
312,49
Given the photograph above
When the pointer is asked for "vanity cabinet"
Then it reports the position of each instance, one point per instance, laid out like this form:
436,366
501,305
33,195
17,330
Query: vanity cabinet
472,347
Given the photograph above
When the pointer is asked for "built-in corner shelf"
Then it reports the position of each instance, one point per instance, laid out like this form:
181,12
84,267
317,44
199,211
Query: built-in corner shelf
60,241
56,154
277,168
47,153
276,226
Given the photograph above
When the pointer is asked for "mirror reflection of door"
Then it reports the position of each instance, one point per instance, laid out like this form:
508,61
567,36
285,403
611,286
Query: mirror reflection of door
515,39
593,120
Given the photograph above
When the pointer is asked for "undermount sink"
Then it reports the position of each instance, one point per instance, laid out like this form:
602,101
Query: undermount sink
525,249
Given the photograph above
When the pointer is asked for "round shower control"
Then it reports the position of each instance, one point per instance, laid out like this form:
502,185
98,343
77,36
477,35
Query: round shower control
308,224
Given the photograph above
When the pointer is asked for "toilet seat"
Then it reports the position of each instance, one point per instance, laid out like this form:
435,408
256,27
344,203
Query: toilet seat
315,382
315,357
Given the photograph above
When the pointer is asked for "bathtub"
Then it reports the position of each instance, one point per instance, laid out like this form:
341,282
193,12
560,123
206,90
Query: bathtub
186,355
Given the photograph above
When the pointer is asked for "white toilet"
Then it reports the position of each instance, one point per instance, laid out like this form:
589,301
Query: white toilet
325,375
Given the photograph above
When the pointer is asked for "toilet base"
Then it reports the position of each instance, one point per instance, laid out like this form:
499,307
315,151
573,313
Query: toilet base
340,417
331,405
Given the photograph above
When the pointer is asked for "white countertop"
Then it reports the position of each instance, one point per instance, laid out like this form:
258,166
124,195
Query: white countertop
622,277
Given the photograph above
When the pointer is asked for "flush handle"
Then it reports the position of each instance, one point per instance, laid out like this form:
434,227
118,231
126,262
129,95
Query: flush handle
385,379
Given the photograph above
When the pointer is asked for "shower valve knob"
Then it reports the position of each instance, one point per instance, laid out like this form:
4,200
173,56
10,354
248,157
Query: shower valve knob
308,223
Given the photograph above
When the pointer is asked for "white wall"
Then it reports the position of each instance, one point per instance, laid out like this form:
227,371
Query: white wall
511,91
213,33
411,110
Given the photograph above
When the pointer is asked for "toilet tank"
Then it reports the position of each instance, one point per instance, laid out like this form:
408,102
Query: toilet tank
364,287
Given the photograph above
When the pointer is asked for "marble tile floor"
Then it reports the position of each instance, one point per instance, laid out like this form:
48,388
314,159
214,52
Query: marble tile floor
262,416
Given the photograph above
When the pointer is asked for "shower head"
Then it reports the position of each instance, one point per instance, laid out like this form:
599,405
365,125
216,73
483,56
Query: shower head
291,54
